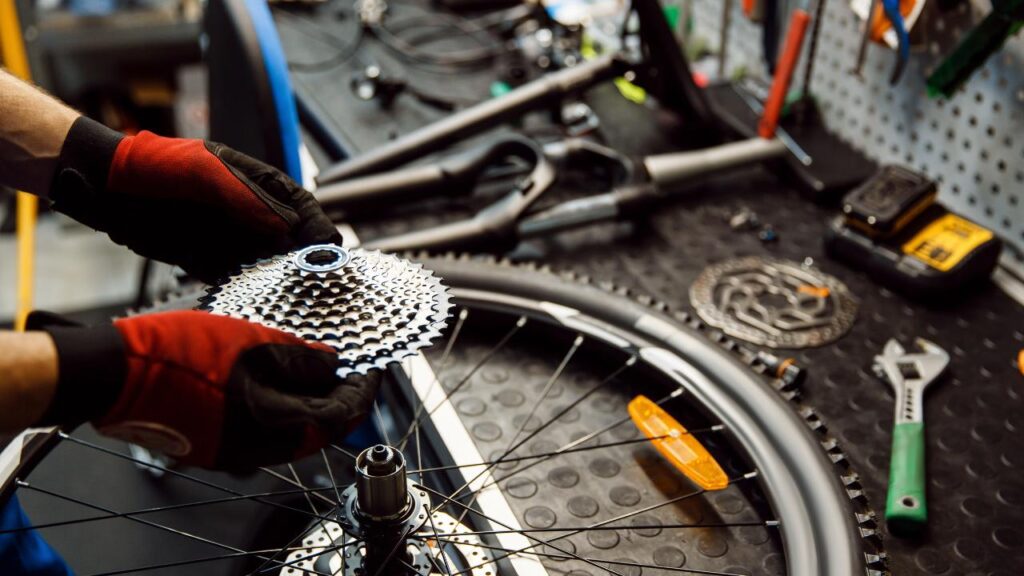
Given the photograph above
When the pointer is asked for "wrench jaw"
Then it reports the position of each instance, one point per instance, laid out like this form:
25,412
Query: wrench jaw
910,370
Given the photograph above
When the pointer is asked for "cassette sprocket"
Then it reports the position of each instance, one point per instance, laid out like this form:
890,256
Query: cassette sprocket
372,308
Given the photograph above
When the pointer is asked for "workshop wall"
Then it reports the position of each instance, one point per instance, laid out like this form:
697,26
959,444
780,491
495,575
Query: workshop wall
972,144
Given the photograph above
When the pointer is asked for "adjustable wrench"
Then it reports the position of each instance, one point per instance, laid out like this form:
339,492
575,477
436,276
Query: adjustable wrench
909,373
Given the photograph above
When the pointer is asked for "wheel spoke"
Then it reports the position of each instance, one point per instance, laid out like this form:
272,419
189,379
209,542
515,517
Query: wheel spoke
189,477
309,500
343,451
414,425
512,446
603,522
440,546
292,563
614,374
314,491
476,367
419,456
187,562
576,443
538,541
330,476
394,550
158,526
167,508
557,453
584,529
380,422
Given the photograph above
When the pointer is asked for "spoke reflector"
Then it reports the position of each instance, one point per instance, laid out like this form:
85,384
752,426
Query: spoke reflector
677,445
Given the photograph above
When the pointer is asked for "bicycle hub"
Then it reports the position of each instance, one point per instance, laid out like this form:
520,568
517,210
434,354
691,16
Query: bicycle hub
381,488
383,504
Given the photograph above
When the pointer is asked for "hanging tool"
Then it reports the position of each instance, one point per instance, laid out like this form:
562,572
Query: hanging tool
895,17
677,444
812,51
1005,19
784,73
865,39
770,33
723,37
909,373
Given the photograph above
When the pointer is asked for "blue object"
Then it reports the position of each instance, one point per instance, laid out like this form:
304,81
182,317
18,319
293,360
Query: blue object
280,84
895,17
92,7
25,553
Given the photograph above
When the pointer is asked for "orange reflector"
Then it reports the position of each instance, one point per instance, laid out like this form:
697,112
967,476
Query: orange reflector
680,447
816,291
1020,361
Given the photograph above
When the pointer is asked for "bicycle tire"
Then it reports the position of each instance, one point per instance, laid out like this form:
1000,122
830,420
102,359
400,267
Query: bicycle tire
827,527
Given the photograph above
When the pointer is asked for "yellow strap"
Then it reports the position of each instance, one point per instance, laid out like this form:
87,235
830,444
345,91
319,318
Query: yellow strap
12,49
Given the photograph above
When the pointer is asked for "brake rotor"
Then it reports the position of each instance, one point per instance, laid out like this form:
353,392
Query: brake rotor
371,308
775,303
331,549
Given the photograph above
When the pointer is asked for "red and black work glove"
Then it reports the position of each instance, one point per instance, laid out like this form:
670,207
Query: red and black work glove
199,205
208,390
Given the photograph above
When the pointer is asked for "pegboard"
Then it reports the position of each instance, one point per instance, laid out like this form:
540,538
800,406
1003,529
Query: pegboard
972,144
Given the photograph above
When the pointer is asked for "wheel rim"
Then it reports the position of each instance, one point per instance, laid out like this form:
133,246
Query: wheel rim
804,495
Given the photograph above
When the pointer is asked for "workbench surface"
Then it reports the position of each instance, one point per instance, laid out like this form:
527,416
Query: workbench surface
975,431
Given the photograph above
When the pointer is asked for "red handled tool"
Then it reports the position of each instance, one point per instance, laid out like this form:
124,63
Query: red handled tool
784,73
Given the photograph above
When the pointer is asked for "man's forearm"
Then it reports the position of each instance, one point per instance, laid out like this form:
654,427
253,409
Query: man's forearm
32,131
28,378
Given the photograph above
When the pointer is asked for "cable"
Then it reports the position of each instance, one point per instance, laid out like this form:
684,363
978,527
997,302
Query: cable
412,54
346,49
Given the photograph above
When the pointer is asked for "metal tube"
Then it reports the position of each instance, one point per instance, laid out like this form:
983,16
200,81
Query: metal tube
436,136
668,169
397,185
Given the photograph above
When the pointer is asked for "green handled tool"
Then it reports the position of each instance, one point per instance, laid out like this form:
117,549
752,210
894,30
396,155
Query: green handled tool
1005,19
906,512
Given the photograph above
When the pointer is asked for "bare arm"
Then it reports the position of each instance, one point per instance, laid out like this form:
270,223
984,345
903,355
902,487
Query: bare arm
28,378
32,132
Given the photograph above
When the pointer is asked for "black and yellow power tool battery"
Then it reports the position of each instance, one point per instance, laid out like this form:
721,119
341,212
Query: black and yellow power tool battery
893,229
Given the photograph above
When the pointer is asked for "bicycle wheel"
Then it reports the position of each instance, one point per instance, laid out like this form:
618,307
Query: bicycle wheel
520,456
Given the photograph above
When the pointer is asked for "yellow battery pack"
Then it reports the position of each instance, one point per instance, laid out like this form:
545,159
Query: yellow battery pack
934,257
947,241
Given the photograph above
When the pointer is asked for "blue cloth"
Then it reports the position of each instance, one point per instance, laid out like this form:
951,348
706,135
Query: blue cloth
25,553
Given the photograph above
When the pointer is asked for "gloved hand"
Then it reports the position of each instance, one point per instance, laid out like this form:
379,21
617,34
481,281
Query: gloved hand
208,390
199,205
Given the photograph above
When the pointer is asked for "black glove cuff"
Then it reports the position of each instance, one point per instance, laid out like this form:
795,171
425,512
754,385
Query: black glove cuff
90,374
82,169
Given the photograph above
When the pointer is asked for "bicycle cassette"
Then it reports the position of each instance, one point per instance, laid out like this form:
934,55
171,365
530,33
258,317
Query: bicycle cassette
372,308
773,303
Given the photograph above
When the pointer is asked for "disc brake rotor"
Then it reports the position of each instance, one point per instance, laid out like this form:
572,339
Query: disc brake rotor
371,308
331,550
774,303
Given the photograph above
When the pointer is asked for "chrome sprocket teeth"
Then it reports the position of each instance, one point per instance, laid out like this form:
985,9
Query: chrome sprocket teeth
372,308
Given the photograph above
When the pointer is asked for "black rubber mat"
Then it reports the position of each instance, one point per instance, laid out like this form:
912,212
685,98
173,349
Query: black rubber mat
514,405
975,431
